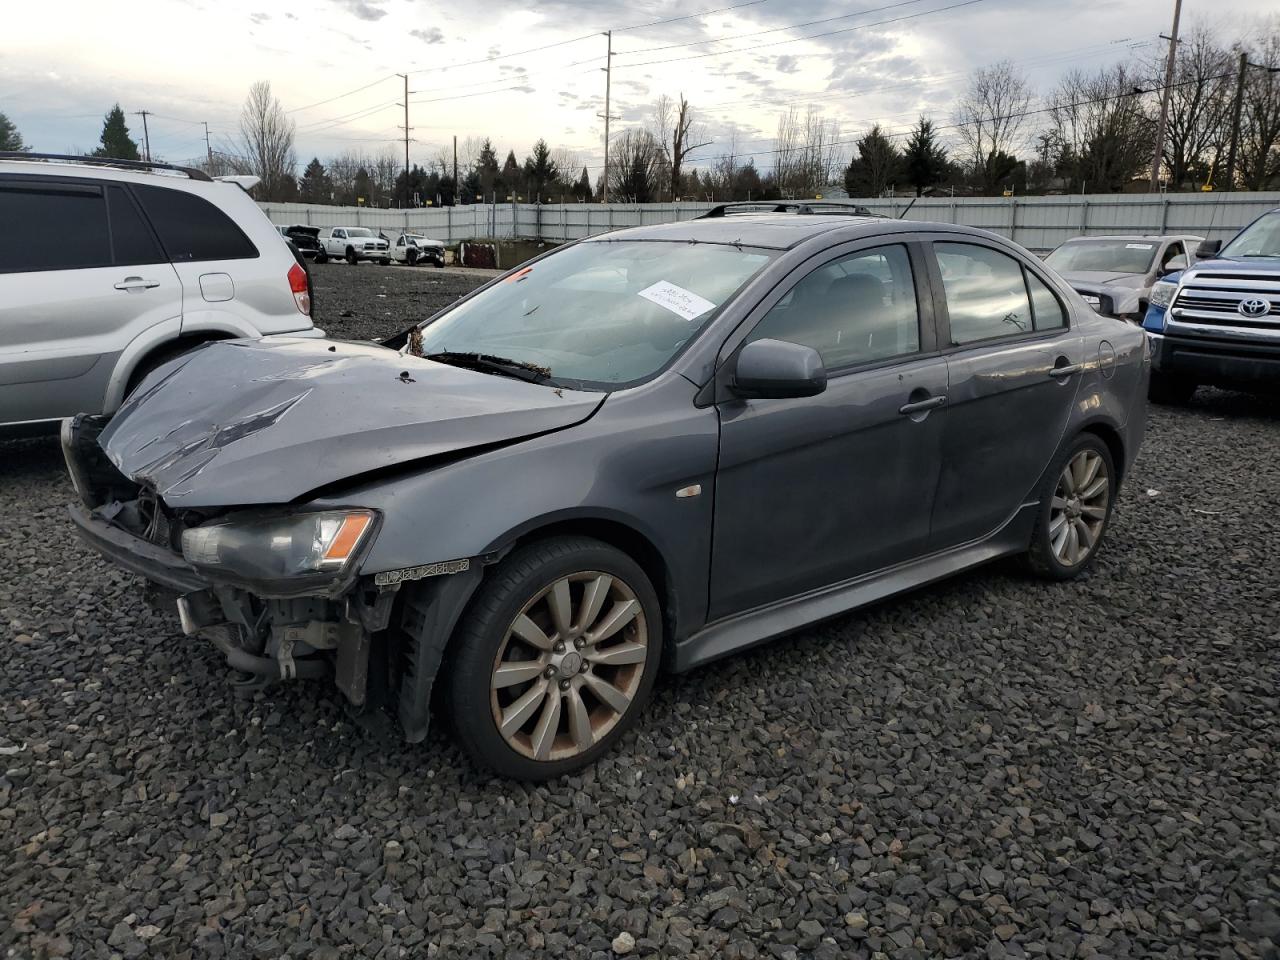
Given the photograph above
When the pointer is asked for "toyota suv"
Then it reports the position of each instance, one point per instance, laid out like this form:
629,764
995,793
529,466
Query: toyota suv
109,269
1218,322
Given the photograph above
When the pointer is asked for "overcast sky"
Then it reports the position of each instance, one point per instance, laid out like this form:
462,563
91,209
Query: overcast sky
62,64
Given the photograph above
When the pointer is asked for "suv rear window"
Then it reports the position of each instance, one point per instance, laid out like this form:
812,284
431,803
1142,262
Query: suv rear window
51,226
192,228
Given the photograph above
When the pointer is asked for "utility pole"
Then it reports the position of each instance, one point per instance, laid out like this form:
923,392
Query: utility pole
207,148
608,79
457,188
407,128
1164,97
1235,122
146,139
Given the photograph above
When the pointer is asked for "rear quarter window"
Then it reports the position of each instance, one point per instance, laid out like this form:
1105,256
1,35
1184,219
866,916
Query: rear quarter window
191,228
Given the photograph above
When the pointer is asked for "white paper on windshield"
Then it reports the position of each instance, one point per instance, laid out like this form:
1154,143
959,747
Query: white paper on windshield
681,302
1138,246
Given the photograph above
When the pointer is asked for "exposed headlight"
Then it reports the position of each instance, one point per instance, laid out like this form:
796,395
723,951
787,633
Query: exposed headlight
1162,292
305,545
1091,300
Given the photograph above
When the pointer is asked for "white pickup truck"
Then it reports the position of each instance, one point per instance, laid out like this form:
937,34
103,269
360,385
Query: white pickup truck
354,244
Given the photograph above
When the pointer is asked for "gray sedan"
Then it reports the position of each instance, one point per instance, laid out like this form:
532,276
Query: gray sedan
654,447
1114,274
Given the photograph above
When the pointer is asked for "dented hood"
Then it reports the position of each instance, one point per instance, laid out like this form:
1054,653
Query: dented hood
266,421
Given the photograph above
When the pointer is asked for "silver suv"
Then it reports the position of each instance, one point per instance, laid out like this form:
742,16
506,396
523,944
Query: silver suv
109,268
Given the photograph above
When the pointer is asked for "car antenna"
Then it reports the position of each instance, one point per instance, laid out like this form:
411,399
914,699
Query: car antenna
903,214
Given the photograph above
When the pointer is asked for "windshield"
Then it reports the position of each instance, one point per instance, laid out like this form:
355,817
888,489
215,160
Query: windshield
601,313
359,232
1260,239
1103,256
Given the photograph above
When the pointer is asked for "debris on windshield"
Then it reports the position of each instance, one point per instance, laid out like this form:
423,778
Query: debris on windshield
405,378
415,342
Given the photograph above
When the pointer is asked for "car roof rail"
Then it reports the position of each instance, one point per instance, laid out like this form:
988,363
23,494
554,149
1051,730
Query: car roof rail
840,207
143,165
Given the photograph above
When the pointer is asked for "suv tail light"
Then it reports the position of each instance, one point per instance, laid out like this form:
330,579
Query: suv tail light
298,284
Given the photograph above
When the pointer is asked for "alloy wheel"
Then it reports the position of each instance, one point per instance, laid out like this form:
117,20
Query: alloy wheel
1079,508
569,667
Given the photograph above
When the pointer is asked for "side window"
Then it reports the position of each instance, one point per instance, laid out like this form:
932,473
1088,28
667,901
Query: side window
857,309
131,239
1173,250
52,226
192,228
1045,307
340,234
986,295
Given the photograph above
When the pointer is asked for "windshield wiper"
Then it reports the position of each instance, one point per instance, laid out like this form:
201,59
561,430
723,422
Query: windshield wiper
488,363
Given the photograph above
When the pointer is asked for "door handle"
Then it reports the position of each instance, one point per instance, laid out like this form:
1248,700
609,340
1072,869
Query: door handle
136,283
919,405
1065,370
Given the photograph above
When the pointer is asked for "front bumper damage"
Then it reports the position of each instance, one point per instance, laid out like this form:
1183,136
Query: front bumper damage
379,643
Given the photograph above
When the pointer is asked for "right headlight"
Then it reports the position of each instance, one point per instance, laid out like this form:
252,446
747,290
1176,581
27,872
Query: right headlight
1162,292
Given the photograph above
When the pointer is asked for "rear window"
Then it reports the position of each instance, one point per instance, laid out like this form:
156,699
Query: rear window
52,227
191,228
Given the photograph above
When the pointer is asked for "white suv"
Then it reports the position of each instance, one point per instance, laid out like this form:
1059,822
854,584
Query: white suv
354,244
109,268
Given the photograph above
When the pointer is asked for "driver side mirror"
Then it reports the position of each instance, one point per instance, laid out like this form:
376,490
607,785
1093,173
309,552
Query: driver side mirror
777,369
1177,263
1208,248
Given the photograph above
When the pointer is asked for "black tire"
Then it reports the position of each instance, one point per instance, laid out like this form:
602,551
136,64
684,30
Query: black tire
440,262
1041,557
1170,390
482,638
321,257
411,256
385,261
157,359
351,256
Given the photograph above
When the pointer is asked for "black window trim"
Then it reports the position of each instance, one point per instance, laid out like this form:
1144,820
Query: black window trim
147,225
943,314
925,309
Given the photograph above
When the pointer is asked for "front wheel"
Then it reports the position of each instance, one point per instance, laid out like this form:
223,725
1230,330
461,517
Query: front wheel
321,257
1169,390
1075,508
411,256
385,261
351,256
556,659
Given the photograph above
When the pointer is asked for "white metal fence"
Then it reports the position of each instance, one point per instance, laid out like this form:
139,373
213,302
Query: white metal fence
1038,223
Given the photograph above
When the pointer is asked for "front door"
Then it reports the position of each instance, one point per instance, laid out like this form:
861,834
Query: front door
1014,366
818,490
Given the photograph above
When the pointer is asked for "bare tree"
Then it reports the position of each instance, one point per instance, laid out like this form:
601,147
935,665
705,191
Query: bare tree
1259,151
266,142
1199,106
990,118
806,158
787,153
1102,131
680,134
724,173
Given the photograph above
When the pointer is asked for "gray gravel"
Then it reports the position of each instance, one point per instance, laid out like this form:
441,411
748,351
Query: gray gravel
994,767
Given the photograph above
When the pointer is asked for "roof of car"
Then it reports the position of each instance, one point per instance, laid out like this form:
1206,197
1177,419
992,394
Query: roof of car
778,231
1136,236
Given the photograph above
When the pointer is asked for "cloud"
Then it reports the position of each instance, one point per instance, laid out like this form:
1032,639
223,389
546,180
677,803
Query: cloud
787,64
362,9
431,35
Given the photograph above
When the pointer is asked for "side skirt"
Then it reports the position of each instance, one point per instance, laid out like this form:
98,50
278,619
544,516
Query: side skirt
742,630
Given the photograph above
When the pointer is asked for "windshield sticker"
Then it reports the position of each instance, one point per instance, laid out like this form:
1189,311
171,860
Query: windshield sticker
682,302
1138,246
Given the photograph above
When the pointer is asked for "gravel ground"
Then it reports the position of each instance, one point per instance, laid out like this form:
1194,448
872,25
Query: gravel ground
993,767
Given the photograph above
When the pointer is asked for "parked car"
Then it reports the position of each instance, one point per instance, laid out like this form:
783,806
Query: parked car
1219,321
1114,274
354,244
306,239
414,248
110,269
663,444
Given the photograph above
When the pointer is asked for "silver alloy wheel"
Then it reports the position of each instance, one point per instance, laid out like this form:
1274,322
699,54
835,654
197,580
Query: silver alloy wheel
569,667
1079,508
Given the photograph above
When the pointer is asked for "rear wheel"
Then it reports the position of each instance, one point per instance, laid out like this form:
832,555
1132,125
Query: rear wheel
1169,389
556,658
1075,508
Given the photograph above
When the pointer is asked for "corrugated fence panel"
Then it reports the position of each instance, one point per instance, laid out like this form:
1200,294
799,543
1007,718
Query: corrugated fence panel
1038,223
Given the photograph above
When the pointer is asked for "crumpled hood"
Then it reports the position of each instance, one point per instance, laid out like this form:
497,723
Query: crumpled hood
243,422
1100,277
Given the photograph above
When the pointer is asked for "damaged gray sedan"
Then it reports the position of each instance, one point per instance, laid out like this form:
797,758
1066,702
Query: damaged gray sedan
651,448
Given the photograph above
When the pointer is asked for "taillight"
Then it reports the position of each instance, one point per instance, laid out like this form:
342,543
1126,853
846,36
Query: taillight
298,284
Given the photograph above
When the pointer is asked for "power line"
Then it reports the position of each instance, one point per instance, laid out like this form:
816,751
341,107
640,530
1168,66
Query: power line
320,103
689,16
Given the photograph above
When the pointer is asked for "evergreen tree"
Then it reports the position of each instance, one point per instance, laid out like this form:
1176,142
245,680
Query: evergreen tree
539,170
363,186
510,180
747,184
116,142
487,171
924,160
873,169
10,139
582,189
315,186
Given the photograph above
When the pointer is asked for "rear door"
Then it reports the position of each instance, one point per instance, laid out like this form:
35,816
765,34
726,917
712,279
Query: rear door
1013,368
81,275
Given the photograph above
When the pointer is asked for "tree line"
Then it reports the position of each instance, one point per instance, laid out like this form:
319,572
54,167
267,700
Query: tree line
1094,131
